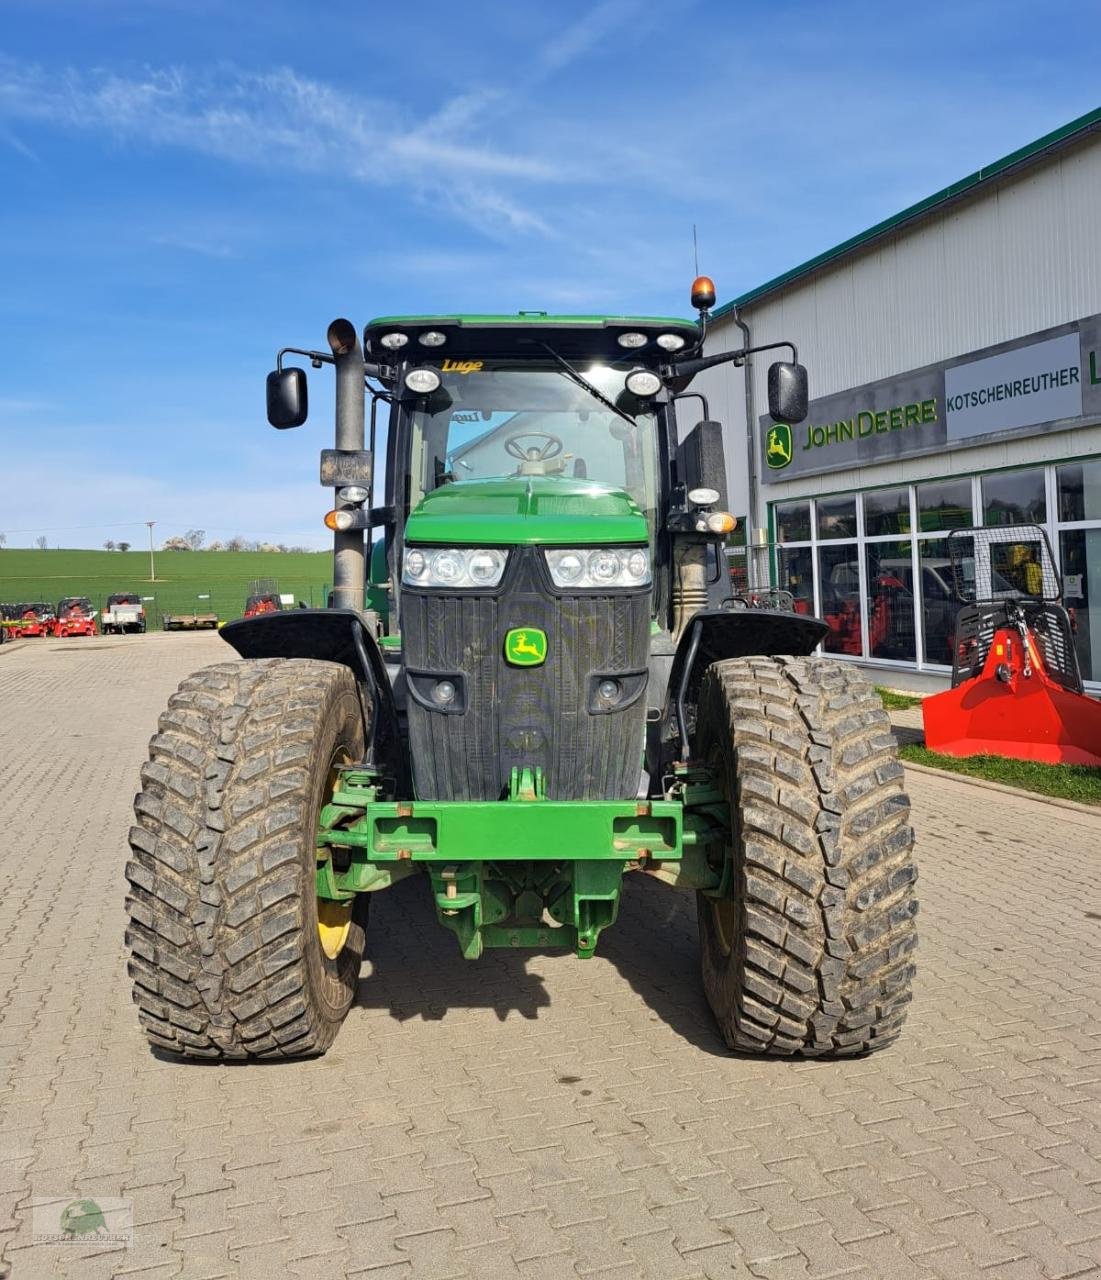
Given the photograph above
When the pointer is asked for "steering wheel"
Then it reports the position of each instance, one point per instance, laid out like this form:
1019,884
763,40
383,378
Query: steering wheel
551,449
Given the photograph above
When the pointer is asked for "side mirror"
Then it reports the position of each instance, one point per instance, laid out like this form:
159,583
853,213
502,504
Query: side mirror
787,392
288,402
701,460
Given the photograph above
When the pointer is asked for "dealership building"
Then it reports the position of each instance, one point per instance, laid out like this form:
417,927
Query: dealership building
954,353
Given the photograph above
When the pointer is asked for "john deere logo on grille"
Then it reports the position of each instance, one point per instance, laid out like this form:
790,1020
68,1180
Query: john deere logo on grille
778,448
526,647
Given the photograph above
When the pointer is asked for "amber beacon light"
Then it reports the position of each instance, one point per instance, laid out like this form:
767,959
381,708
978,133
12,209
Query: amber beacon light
703,293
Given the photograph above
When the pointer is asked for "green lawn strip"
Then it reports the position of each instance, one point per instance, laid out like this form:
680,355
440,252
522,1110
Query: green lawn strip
187,581
1081,782
897,701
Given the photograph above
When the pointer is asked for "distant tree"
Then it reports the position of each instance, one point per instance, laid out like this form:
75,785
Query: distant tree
194,538
3,539
124,546
109,545
176,544
236,543
215,546
40,542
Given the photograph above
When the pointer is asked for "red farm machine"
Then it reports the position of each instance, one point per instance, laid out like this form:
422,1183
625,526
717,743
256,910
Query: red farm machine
75,617
27,619
262,602
1016,685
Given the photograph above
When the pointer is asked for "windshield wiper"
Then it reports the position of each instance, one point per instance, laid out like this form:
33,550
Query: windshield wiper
586,385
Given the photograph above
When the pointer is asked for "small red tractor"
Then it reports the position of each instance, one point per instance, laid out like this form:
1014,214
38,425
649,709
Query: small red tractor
29,618
1016,685
75,617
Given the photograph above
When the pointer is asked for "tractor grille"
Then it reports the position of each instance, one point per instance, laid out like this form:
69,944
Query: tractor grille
538,716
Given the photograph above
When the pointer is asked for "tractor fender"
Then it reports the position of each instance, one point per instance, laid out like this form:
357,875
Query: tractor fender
713,635
331,635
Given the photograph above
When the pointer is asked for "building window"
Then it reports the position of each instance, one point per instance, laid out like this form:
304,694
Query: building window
836,517
944,582
792,521
1014,497
839,583
1080,554
796,572
944,504
1079,486
890,600
886,511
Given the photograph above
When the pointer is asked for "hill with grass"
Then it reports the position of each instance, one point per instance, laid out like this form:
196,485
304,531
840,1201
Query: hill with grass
187,581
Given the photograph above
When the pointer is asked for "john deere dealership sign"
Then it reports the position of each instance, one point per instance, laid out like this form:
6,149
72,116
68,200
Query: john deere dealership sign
1049,381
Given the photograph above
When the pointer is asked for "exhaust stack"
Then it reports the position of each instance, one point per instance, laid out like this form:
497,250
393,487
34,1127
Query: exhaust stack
349,565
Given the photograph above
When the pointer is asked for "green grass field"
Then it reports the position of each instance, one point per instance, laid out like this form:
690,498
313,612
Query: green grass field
182,578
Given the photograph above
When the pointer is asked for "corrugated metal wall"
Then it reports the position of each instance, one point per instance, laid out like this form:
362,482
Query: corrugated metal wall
1021,256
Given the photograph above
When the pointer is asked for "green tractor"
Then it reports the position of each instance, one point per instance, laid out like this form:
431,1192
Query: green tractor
546,693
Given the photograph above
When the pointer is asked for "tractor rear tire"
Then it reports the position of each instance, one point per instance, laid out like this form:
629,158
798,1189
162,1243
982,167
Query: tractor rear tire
809,952
225,946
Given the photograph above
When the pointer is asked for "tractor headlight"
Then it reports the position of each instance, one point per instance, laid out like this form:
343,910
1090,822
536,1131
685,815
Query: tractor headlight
599,567
670,341
422,381
461,567
643,383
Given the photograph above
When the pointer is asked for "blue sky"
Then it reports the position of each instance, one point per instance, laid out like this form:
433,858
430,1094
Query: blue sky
186,185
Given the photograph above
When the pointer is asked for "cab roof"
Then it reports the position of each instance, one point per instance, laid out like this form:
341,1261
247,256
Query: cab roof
519,335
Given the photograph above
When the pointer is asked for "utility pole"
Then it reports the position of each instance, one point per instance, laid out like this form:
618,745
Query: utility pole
152,569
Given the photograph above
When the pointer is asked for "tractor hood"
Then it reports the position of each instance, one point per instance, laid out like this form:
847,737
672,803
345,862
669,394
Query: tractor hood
527,510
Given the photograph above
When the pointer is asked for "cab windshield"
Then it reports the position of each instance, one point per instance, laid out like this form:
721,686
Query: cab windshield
497,418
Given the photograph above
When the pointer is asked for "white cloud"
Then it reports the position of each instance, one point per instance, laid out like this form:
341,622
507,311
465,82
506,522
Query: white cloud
580,37
280,117
204,248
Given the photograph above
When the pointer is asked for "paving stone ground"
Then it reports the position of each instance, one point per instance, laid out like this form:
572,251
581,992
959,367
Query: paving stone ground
533,1116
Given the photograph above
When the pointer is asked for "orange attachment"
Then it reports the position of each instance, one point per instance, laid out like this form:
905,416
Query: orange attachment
1023,717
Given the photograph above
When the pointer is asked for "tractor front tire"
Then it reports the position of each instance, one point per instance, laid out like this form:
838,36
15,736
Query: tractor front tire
226,951
809,950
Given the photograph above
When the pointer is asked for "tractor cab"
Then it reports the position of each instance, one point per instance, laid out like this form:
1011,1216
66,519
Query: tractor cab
74,607
531,430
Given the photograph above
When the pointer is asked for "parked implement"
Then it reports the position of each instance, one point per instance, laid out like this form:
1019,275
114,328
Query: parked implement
262,602
27,619
123,612
1016,685
555,702
194,621
75,616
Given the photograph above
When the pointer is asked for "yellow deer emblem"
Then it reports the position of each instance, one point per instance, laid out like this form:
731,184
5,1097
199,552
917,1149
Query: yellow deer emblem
526,647
778,449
